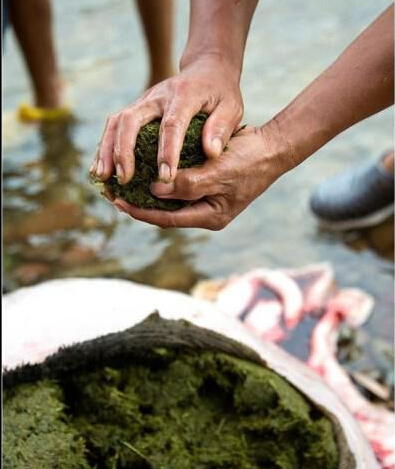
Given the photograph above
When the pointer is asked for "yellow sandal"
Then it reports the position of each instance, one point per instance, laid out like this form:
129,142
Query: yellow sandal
28,113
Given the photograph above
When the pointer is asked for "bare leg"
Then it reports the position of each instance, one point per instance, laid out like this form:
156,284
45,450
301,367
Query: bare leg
32,24
157,19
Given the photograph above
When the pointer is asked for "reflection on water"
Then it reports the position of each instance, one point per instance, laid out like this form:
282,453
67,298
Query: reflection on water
379,238
174,269
50,230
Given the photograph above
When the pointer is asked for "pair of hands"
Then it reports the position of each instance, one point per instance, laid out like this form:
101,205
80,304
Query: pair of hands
228,182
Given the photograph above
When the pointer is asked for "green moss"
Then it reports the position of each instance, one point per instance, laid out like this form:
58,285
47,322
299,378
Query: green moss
137,191
36,432
180,411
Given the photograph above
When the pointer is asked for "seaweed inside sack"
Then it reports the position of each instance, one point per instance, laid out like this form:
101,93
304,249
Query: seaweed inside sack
137,191
196,410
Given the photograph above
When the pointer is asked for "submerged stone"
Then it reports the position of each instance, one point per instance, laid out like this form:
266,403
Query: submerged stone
198,410
137,191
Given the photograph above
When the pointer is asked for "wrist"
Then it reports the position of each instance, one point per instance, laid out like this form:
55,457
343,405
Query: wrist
219,60
300,130
218,28
277,148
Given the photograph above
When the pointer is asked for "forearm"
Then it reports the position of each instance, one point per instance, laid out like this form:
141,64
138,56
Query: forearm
218,28
358,84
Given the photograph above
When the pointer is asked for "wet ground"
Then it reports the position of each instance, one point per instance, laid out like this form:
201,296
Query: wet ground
57,225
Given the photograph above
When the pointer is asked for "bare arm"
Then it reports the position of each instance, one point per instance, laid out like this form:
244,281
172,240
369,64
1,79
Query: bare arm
358,84
218,28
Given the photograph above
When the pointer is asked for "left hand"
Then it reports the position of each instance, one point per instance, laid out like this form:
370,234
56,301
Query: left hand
222,187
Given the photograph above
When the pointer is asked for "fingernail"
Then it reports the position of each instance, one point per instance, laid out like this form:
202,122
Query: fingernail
120,173
92,169
217,146
164,172
100,168
162,188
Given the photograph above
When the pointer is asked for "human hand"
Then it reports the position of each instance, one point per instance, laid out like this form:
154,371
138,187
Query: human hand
223,187
209,84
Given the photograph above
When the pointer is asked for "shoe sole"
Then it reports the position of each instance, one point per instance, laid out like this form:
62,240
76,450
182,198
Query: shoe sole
365,222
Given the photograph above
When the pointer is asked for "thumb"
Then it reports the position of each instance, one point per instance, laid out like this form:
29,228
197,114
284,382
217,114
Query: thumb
190,184
219,127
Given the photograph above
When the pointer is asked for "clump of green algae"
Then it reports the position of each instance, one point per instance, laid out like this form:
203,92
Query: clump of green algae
137,191
169,410
36,431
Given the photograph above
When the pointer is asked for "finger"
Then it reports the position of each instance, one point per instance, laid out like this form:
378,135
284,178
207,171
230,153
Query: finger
104,166
219,127
190,184
129,125
107,194
199,215
93,167
172,131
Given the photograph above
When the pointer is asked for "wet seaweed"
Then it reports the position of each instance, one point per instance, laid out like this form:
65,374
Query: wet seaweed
168,397
137,191
36,431
194,410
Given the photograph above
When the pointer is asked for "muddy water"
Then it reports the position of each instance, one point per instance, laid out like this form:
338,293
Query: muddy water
56,224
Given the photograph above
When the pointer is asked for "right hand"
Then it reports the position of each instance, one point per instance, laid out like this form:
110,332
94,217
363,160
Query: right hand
209,84
223,187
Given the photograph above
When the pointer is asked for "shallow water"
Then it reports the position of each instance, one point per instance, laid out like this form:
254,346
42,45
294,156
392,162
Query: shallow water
57,225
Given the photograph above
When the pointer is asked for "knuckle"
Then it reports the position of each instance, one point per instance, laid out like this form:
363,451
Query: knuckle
222,215
136,112
224,221
171,123
130,119
190,186
181,86
165,221
127,114
169,222
217,223
211,102
236,109
217,226
239,113
116,153
137,105
173,223
193,183
123,118
112,119
125,128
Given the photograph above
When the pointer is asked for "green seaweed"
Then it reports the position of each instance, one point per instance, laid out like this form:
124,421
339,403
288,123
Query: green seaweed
137,191
36,432
200,410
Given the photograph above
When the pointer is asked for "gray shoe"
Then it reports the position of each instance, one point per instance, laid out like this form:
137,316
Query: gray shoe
357,198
